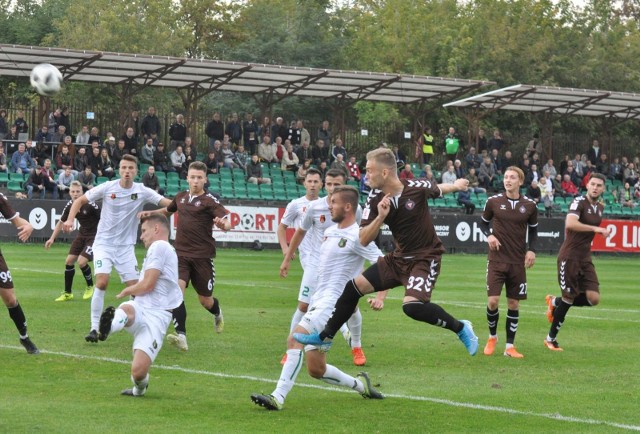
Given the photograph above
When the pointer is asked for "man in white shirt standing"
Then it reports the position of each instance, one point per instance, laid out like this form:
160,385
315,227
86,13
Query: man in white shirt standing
341,259
156,294
122,199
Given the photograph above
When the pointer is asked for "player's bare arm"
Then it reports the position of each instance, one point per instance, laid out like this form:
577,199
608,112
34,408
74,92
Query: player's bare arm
298,236
370,232
529,259
164,202
223,223
24,228
493,242
377,303
572,223
461,184
142,287
67,226
54,235
143,214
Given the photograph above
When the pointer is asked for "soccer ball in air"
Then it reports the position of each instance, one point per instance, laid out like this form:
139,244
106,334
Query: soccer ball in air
46,79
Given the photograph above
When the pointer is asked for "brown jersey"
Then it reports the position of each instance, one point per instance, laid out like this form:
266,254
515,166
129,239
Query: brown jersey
511,220
409,219
88,216
6,209
577,245
194,238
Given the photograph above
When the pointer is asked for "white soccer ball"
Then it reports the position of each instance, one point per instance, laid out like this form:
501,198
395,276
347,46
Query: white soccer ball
46,79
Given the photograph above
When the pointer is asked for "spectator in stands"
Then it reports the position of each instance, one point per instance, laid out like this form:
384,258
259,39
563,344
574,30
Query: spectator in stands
4,127
64,120
486,174
428,175
324,134
339,149
111,146
464,199
234,130
107,165
12,135
150,126
305,137
58,135
626,195
536,160
279,129
146,153
401,158
472,159
228,156
550,168
323,168
41,181
250,133
280,148
131,141
95,136
602,166
304,152
264,129
532,175
341,165
64,160
20,123
190,151
4,166
533,192
458,169
161,159
452,144
557,185
150,180
534,146
81,159
405,173
95,161
481,143
293,135
589,169
83,136
290,159
352,168
178,160
64,182
301,174
449,176
41,135
320,153
563,164
267,150
593,154
87,179
569,188
496,159
573,176
615,170
496,142
630,174
53,120
474,183
254,172
211,162
578,165
217,149
546,195
242,158
177,132
215,129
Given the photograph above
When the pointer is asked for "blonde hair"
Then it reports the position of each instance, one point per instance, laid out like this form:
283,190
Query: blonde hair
517,170
383,157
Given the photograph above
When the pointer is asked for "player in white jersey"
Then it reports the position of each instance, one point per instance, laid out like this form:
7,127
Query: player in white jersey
293,215
156,294
122,200
312,227
341,259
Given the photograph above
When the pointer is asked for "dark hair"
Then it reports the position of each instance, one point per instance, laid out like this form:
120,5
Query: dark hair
129,157
334,173
349,194
157,218
198,165
313,171
599,176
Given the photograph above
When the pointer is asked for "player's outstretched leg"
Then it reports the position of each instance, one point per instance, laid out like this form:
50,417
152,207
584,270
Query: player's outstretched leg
266,401
105,322
468,337
355,338
97,303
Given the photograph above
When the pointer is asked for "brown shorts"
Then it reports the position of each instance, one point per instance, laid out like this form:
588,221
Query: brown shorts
417,275
82,246
576,277
200,271
6,282
512,276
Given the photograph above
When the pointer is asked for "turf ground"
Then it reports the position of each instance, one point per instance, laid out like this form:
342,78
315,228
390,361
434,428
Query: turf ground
431,383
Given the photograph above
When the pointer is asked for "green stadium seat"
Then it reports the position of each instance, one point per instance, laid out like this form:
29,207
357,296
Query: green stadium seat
559,200
173,190
16,177
4,177
14,185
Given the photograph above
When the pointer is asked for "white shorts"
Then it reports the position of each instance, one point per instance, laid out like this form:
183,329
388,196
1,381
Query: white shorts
314,321
308,284
122,258
148,329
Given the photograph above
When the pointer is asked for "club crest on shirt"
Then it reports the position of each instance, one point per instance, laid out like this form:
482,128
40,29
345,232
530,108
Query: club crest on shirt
322,218
410,205
342,242
522,209
113,195
197,203
134,196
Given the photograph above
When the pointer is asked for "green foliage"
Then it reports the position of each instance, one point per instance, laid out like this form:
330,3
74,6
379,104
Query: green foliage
74,386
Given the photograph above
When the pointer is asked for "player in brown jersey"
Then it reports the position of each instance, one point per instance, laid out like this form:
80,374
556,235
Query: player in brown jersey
198,211
81,248
415,264
6,281
576,274
512,217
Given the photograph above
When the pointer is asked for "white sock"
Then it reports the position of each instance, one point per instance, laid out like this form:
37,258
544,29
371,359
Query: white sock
97,304
290,371
355,327
295,319
119,320
140,387
336,377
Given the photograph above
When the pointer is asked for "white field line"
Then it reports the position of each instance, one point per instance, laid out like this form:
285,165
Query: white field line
472,406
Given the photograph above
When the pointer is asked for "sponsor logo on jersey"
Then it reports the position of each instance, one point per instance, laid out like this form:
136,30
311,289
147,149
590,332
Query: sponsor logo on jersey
503,207
134,196
522,209
410,205
155,344
182,200
342,242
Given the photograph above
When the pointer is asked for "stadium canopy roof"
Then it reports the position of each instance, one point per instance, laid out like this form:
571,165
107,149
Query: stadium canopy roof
556,100
216,75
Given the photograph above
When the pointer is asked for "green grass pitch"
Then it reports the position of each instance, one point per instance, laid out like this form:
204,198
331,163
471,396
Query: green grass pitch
431,383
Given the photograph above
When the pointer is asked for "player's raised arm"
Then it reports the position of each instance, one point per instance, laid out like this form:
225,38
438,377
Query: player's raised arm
460,184
163,211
